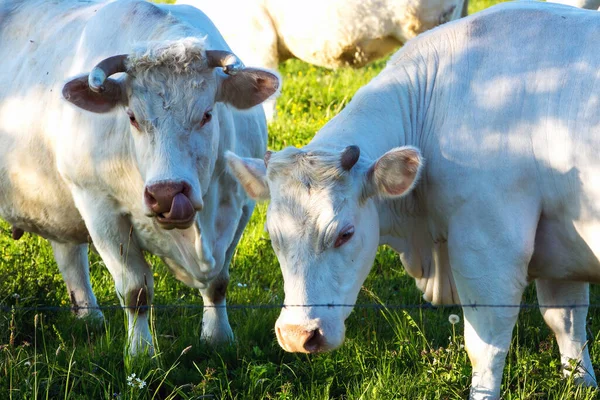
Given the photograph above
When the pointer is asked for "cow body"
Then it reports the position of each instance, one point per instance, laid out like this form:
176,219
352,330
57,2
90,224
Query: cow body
69,174
331,34
478,164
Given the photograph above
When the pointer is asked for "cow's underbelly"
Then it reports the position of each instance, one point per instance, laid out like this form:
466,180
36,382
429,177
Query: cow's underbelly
43,210
567,250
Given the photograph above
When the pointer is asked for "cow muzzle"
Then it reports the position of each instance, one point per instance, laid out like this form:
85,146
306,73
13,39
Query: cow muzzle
298,339
171,205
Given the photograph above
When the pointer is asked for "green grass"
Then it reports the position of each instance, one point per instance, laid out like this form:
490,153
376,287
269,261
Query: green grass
403,354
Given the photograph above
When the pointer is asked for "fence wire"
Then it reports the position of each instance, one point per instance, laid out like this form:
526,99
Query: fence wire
373,306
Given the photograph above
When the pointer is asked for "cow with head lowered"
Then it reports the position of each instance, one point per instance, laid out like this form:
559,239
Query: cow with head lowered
114,121
474,154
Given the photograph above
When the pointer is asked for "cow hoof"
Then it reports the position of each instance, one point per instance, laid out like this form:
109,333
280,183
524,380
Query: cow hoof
141,348
217,337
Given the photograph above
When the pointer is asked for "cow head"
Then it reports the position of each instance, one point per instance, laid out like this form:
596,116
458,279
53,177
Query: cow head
324,228
169,94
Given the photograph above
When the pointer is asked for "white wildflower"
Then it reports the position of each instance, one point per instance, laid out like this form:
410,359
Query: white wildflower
27,363
454,319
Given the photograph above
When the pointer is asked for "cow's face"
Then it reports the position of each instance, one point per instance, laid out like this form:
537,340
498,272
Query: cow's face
170,97
324,228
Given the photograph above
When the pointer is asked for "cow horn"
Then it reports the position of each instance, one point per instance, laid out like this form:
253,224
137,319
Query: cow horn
104,69
267,157
228,61
350,156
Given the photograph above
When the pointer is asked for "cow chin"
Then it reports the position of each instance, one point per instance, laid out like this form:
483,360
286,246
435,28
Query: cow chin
170,223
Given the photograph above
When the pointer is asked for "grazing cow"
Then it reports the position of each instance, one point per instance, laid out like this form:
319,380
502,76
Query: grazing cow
474,154
134,158
331,34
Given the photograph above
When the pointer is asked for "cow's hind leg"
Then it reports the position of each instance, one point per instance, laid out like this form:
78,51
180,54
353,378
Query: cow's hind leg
568,325
73,264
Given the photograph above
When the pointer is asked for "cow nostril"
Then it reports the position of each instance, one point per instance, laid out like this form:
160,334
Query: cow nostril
314,341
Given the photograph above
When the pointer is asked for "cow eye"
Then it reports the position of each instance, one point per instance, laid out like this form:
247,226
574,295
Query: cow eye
206,118
132,119
345,235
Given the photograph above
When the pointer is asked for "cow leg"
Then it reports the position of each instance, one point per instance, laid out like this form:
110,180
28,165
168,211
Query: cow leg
489,255
568,325
73,264
215,323
113,238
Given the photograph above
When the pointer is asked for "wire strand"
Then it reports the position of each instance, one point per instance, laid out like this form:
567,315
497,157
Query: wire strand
374,306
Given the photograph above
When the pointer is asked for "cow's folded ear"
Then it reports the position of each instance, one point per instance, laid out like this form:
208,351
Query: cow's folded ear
248,87
78,92
251,173
395,173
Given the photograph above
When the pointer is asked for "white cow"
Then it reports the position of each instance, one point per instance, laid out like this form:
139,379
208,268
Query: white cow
588,4
330,33
136,161
474,154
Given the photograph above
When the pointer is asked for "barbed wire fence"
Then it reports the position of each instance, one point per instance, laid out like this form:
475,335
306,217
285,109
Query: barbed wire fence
373,306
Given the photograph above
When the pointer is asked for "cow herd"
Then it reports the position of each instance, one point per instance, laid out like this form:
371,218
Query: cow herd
135,127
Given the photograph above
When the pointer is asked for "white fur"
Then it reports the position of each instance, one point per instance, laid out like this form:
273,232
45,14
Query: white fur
509,192
331,34
66,173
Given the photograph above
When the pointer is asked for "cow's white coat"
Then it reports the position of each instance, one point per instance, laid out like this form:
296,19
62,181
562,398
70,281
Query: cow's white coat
502,107
66,173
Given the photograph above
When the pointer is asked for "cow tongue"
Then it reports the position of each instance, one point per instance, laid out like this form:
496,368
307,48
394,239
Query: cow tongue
181,209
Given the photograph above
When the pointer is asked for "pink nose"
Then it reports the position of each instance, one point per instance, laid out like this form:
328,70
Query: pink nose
171,203
296,339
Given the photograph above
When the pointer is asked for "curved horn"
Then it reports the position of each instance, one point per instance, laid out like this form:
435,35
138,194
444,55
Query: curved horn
349,157
267,157
228,61
104,69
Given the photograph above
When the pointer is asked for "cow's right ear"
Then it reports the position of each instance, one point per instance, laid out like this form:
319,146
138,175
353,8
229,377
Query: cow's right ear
251,173
395,173
77,91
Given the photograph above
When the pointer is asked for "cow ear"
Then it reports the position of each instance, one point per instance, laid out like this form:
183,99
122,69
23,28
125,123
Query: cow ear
251,173
78,92
395,173
248,87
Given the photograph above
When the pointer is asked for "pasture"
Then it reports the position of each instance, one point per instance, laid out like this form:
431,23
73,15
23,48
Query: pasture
397,352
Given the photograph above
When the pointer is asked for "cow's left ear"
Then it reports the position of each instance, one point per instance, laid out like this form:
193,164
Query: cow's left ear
395,173
248,87
251,173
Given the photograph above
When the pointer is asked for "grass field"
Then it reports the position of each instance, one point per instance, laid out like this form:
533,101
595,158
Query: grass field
389,354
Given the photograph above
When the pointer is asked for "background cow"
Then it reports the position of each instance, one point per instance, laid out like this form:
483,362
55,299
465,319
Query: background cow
331,34
138,163
587,4
477,162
